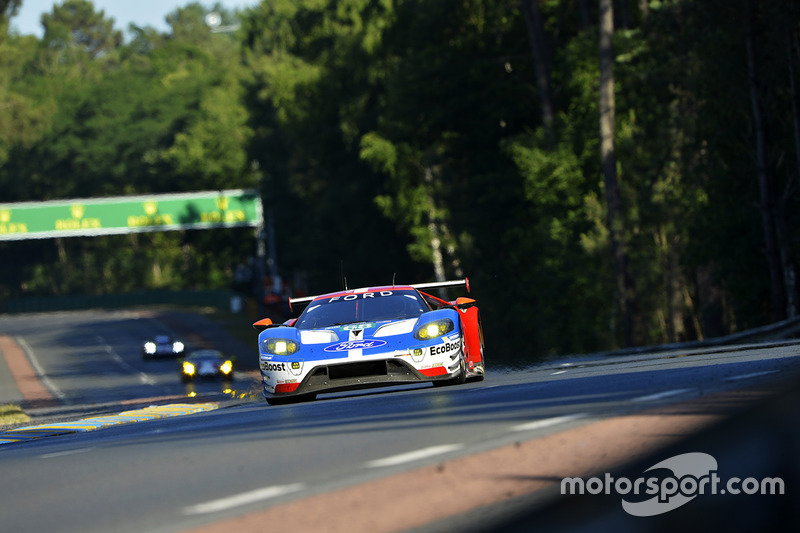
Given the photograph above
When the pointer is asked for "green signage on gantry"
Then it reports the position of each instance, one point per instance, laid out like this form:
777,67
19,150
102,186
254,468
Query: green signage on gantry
129,214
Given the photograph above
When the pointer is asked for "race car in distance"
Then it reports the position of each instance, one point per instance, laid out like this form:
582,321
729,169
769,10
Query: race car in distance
206,364
370,337
162,346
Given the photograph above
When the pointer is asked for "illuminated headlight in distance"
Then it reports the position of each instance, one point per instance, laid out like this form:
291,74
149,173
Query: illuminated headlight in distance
279,346
188,368
226,367
434,329
177,346
150,347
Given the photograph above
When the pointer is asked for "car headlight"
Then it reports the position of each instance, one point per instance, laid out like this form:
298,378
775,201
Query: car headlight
226,367
434,329
279,346
150,347
188,368
177,346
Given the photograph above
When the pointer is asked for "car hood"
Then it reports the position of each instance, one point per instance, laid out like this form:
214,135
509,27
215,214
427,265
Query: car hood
358,338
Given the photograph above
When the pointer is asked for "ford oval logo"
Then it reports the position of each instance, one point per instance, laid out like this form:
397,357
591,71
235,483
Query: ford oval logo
354,345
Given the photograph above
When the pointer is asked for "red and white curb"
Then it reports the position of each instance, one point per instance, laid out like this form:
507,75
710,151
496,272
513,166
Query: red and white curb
153,412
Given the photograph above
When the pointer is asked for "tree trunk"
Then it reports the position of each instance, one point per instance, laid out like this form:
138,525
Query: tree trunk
433,228
790,271
614,217
541,59
765,185
624,17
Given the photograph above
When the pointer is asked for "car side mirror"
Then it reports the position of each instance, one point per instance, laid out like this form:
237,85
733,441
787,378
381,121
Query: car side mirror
462,302
262,324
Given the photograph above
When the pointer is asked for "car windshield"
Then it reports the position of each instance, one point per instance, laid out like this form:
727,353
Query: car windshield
362,307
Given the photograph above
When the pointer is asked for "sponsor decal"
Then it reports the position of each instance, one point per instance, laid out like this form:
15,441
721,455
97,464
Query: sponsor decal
355,345
273,367
362,325
363,295
445,348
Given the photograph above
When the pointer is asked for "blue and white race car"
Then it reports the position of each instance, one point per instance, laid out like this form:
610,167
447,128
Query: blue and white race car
371,337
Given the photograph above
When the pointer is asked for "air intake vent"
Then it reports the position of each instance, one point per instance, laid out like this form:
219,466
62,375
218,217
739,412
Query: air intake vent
357,370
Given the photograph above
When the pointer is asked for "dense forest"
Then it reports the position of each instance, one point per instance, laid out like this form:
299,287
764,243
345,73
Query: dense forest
607,173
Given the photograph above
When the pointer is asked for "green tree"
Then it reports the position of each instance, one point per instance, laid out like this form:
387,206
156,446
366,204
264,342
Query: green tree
74,28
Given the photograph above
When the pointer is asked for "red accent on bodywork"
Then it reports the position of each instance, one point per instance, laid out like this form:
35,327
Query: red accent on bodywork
286,387
436,371
439,301
470,320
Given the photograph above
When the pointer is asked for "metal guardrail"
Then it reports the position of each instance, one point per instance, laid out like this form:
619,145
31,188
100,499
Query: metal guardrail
785,329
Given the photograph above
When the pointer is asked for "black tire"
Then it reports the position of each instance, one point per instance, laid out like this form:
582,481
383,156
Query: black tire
460,378
481,376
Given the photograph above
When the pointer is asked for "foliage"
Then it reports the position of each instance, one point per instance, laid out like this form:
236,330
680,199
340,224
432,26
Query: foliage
402,139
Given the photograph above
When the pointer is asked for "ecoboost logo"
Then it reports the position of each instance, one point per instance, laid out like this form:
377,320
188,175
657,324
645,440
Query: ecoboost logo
692,474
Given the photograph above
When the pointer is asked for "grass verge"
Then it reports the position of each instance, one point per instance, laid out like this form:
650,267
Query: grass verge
12,414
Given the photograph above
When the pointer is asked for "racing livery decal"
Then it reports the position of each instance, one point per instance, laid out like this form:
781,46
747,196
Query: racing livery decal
445,348
349,297
355,345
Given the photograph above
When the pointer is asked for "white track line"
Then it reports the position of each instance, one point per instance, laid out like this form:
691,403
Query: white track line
416,455
68,452
143,377
546,422
55,391
751,375
244,498
660,395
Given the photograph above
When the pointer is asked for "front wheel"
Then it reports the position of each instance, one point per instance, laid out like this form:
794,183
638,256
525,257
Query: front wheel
459,379
480,375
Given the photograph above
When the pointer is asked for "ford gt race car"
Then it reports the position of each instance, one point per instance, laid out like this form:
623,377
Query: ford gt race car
371,337
206,364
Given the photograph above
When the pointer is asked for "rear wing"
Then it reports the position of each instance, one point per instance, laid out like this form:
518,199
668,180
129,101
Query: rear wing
443,284
420,286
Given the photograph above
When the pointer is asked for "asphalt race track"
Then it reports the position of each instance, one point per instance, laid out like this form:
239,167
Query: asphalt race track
247,466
